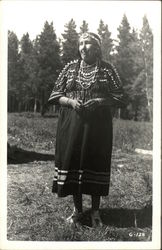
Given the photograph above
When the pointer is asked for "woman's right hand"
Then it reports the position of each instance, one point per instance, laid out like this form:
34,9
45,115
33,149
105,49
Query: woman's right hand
76,104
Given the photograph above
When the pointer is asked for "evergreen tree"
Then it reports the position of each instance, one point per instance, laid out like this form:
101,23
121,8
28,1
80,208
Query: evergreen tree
26,45
146,39
70,42
29,70
106,41
134,63
84,27
138,96
124,60
13,70
47,50
101,29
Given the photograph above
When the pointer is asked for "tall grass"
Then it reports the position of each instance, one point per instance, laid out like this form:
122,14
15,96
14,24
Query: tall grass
39,133
129,135
29,131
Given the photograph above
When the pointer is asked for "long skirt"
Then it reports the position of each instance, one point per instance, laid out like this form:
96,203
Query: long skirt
83,152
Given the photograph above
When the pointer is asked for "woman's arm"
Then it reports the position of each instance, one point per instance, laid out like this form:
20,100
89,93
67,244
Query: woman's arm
115,95
113,100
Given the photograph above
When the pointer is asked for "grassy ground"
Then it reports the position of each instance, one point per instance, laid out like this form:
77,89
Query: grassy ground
34,213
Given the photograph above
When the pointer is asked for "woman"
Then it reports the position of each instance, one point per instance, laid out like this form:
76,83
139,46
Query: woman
85,89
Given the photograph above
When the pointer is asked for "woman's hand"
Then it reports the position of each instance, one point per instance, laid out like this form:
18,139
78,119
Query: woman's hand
68,102
91,104
76,104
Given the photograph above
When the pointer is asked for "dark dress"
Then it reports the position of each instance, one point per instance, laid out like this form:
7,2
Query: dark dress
84,140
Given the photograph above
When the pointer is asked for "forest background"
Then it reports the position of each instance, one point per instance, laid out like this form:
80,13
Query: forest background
34,65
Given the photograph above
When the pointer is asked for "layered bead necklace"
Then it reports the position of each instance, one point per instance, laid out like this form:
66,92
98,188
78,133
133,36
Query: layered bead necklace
87,75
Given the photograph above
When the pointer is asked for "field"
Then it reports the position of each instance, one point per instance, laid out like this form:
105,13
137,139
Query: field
35,214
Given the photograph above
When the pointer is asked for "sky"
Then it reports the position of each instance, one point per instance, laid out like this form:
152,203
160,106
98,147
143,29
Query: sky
29,16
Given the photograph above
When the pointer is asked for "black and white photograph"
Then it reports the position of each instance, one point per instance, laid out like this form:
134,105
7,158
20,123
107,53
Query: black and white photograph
80,129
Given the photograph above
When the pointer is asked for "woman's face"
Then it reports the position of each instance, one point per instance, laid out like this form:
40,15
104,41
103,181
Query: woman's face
88,50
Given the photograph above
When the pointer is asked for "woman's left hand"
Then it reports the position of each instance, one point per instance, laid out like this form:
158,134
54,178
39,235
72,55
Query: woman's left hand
91,104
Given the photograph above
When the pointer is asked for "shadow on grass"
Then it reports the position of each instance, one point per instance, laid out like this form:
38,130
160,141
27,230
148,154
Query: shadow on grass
126,217
18,156
123,218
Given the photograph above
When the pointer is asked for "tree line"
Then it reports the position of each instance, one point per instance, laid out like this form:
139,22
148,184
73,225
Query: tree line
33,66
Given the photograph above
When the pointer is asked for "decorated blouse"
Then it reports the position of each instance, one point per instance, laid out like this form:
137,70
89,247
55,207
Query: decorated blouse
84,83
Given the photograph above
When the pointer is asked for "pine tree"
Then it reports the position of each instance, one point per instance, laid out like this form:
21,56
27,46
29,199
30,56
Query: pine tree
138,96
29,69
146,39
84,27
47,50
134,63
70,42
13,70
124,60
101,29
26,44
106,41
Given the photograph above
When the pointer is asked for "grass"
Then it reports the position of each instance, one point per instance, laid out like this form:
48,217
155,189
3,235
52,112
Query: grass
27,130
129,135
30,131
35,214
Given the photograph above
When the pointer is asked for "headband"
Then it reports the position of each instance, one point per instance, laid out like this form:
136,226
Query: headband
92,36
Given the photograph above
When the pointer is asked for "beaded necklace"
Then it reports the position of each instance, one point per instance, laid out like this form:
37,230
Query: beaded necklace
87,75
